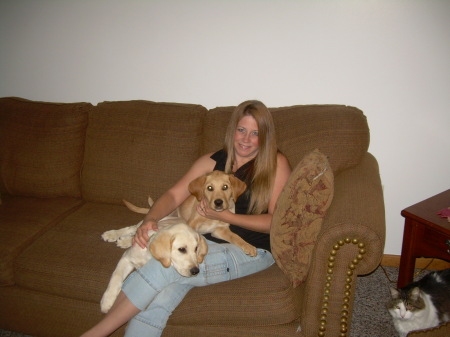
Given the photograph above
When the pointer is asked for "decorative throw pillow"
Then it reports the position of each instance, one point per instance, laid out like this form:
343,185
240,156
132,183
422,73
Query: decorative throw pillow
299,214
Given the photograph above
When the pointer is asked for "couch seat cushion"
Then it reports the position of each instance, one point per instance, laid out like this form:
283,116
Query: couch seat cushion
22,221
41,147
71,260
264,298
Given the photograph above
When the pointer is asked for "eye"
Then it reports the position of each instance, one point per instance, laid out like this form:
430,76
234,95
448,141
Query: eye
224,187
255,133
210,188
182,250
240,129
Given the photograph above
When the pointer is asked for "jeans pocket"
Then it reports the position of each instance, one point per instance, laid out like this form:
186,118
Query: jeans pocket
217,268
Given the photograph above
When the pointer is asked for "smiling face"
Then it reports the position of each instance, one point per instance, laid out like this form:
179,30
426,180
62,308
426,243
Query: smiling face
246,141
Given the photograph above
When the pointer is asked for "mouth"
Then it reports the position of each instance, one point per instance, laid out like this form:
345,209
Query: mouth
245,147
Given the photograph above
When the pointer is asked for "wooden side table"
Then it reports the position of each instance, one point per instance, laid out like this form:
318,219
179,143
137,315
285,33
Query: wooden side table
426,234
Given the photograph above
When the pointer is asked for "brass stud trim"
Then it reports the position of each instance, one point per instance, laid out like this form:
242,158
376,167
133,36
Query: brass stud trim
347,288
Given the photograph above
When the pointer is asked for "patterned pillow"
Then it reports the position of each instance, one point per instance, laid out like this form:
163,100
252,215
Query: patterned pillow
299,214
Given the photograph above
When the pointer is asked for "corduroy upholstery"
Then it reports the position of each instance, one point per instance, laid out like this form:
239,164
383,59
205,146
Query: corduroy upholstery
58,199
41,146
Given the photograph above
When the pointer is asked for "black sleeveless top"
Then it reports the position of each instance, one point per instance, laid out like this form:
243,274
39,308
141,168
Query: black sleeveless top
259,240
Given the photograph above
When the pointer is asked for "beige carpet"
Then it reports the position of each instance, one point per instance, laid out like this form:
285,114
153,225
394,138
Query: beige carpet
370,317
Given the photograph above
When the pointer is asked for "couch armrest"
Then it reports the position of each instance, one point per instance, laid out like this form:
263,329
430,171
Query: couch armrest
350,243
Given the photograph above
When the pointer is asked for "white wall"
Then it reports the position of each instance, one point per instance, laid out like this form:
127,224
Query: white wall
389,58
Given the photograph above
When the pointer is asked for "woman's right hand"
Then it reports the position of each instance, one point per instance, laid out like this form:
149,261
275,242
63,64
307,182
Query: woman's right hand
141,237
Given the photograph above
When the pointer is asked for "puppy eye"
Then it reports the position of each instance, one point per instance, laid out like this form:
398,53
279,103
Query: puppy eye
224,187
210,188
182,250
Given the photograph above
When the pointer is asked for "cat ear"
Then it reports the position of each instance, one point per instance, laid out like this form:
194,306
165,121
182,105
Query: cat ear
415,293
394,293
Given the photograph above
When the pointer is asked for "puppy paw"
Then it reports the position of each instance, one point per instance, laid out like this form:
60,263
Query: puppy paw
250,250
110,236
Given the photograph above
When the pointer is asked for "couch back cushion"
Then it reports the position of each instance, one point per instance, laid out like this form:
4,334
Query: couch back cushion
136,149
41,147
340,132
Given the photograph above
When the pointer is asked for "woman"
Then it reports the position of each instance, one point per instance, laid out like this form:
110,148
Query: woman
250,152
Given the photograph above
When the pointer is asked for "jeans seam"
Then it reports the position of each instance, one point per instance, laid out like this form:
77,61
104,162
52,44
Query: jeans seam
147,322
148,282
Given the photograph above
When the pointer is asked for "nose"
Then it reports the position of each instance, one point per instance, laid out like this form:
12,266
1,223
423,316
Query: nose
218,202
194,271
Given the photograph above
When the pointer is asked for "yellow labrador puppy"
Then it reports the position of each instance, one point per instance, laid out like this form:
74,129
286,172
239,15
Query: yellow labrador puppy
220,190
174,244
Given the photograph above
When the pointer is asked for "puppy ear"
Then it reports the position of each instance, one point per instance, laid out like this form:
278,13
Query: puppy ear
196,187
202,249
161,248
238,186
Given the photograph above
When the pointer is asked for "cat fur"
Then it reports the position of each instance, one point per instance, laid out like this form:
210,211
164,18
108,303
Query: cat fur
422,304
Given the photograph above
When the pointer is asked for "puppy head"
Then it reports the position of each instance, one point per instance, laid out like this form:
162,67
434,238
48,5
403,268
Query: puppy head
218,188
181,247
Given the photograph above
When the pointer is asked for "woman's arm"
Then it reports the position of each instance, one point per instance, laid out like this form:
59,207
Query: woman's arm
255,222
172,198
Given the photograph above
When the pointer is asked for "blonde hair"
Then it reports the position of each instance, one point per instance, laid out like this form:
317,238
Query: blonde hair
265,164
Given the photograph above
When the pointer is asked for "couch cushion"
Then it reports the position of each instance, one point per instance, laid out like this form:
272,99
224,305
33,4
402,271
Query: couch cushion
263,298
299,213
81,262
339,131
139,148
24,220
41,147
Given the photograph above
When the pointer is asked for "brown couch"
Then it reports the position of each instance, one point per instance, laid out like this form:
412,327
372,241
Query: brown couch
66,167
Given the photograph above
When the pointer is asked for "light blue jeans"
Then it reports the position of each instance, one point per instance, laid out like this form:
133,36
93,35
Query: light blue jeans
157,291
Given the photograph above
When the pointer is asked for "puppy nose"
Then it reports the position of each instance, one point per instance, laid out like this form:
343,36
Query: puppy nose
194,271
218,202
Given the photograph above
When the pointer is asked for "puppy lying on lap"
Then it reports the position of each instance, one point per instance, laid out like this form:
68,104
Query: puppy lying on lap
174,244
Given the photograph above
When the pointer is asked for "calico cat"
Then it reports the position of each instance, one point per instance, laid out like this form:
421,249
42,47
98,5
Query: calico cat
422,304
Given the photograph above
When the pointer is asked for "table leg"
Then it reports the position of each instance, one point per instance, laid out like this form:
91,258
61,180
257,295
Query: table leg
408,258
